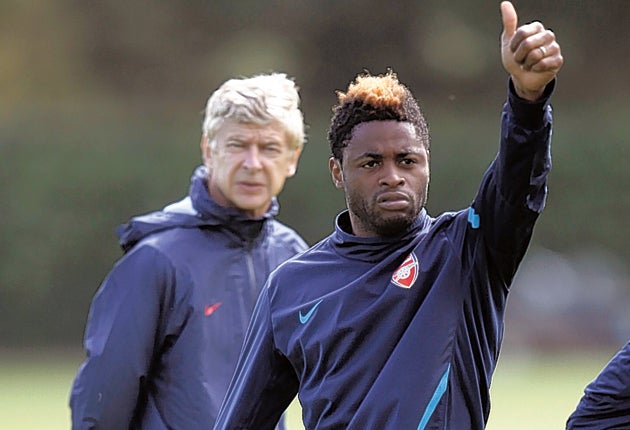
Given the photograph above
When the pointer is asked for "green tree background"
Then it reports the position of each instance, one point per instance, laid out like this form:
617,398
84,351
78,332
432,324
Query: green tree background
101,106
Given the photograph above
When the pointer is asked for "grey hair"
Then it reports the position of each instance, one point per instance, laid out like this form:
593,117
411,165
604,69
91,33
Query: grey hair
259,99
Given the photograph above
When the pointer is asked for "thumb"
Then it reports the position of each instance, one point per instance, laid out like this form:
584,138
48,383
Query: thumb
508,15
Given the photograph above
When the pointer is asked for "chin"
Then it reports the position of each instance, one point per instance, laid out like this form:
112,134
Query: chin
257,207
250,204
393,226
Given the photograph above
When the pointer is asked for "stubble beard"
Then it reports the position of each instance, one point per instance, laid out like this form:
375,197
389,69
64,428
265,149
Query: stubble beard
378,222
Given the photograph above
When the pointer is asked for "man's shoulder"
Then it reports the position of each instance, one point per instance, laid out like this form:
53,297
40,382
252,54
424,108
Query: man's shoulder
314,255
178,243
285,236
452,221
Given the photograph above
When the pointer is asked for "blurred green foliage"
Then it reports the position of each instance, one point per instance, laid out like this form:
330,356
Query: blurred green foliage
101,109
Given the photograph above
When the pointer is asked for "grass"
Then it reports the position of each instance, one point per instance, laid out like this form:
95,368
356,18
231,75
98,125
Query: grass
537,391
34,389
540,392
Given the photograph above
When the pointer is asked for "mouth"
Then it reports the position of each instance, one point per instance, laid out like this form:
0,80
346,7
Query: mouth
393,201
251,186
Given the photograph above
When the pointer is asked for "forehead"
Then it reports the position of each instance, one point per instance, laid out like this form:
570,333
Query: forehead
378,137
233,129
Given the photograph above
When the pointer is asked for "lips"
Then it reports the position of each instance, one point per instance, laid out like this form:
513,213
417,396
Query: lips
393,200
250,186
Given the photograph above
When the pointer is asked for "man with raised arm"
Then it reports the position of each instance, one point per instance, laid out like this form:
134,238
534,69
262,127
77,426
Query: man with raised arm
395,320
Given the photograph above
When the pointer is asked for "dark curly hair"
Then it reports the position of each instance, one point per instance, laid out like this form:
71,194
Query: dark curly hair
373,98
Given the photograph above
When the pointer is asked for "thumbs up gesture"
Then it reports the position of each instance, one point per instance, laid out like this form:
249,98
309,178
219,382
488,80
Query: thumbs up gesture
530,54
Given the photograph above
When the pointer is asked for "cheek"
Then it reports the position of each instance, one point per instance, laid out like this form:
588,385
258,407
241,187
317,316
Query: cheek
215,160
422,176
278,172
357,190
225,163
277,180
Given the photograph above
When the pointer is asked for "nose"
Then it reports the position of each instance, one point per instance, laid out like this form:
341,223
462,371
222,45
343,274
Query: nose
252,158
391,177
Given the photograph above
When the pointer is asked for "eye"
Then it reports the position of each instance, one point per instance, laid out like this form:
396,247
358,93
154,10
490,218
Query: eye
272,149
234,144
408,161
370,164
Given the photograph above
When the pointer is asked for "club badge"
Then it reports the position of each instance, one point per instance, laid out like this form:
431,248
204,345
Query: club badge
407,273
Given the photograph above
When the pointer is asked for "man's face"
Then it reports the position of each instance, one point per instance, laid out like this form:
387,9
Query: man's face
248,165
385,175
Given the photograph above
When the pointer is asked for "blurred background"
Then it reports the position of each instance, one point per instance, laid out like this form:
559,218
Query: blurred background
100,115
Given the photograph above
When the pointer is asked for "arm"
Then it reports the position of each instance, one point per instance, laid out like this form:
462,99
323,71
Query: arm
264,383
531,55
513,191
119,343
606,400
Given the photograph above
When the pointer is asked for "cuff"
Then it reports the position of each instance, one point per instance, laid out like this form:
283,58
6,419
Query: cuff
529,114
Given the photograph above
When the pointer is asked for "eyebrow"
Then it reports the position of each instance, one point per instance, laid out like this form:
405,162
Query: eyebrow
370,155
244,138
377,156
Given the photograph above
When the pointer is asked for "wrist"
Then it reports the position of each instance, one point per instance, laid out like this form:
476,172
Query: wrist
526,94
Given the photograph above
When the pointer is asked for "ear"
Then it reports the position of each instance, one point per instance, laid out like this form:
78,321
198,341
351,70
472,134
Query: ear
335,170
206,152
293,163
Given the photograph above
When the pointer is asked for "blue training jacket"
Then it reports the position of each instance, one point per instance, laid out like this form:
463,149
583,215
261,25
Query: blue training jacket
398,333
166,326
606,401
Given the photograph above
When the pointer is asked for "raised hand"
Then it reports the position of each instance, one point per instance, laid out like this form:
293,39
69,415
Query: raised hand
530,54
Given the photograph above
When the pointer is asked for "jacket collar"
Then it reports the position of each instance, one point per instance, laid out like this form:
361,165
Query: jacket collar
373,249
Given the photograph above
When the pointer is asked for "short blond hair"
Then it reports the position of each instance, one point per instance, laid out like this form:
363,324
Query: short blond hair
259,99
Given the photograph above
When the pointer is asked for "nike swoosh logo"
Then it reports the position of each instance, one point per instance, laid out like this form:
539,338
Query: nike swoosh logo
304,318
209,310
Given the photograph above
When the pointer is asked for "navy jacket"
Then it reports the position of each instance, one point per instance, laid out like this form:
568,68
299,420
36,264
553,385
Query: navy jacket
606,401
398,333
166,326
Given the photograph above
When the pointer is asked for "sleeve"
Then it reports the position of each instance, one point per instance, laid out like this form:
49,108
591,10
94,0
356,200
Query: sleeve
264,383
606,400
514,188
120,339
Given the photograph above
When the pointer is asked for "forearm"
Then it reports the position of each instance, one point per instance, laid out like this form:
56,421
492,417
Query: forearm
513,191
119,341
106,389
524,158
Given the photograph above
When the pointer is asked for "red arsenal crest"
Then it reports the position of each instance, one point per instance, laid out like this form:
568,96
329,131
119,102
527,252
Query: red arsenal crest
407,273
